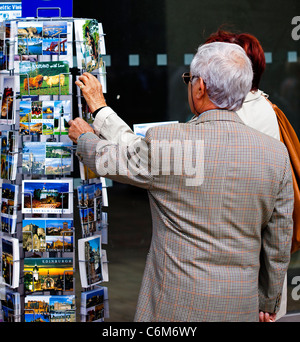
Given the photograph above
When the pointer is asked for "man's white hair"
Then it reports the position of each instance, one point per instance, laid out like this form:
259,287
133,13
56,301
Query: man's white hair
227,72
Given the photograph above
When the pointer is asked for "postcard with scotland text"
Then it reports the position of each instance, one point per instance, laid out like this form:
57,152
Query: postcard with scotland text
44,78
44,117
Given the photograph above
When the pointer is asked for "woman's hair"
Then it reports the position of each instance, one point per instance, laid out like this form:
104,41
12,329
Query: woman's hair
252,47
226,71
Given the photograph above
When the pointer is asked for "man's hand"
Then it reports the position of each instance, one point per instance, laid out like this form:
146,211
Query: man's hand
78,127
91,90
267,317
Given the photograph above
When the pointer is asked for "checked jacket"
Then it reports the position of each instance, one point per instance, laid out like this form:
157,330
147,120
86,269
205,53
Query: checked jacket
221,236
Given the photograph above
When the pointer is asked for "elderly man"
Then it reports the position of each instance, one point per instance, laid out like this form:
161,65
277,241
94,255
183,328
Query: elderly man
220,192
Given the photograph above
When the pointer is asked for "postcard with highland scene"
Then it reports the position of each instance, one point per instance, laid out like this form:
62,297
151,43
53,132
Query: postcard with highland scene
44,78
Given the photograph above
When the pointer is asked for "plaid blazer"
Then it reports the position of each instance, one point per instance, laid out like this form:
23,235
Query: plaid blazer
222,223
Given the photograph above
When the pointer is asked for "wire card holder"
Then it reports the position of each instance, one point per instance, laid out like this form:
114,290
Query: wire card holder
37,228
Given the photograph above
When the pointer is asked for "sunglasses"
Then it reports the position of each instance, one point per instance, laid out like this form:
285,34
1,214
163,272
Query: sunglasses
187,77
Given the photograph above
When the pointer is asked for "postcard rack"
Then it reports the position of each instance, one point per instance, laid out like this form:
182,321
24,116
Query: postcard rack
39,60
92,259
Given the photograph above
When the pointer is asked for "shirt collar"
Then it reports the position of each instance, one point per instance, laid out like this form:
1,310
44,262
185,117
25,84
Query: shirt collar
216,115
254,95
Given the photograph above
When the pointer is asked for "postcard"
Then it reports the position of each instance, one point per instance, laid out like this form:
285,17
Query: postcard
47,235
90,204
86,173
87,44
102,47
34,235
55,35
47,308
36,309
103,228
92,261
8,100
5,56
48,39
9,197
47,158
83,109
33,158
45,274
9,154
62,115
104,197
141,129
44,117
58,41
30,37
8,224
88,222
90,195
9,202
47,196
85,113
44,78
3,53
7,34
94,305
100,74
10,261
10,305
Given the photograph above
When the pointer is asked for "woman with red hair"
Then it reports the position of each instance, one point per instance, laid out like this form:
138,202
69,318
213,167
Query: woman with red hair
252,47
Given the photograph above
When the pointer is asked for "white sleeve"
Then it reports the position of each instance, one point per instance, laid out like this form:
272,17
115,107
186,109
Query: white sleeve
111,127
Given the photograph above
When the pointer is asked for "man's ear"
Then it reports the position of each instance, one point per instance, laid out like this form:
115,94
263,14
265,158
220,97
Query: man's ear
200,88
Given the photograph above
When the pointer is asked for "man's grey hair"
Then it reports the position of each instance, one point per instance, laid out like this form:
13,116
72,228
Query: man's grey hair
227,72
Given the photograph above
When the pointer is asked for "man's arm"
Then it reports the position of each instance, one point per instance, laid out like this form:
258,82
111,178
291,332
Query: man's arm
116,153
107,123
123,163
110,126
276,246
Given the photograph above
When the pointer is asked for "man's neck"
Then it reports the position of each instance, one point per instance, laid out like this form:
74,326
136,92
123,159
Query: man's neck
205,108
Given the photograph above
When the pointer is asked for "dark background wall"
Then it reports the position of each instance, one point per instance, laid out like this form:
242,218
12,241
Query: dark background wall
150,92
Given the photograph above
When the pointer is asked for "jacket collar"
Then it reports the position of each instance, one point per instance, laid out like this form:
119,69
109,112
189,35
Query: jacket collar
216,115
